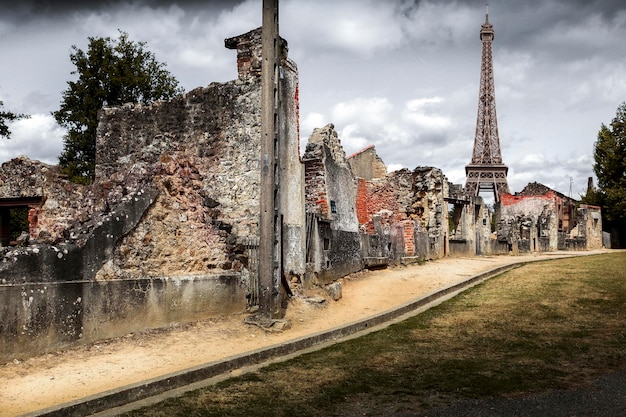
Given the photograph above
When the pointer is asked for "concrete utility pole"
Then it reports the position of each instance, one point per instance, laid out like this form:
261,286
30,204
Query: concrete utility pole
269,222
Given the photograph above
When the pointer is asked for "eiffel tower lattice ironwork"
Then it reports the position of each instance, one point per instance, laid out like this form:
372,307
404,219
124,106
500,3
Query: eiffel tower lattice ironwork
486,171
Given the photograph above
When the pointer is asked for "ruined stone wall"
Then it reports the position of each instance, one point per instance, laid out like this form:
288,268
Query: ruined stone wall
482,227
175,199
42,317
589,220
565,206
390,204
462,239
200,166
292,181
463,209
392,193
367,164
62,201
401,198
404,209
330,185
529,222
513,205
362,214
429,209
383,206
331,201
200,151
249,59
472,220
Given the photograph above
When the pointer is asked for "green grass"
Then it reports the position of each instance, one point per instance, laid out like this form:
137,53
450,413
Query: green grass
546,325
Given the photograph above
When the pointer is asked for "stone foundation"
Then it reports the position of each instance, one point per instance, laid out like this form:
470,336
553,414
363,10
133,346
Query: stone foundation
44,317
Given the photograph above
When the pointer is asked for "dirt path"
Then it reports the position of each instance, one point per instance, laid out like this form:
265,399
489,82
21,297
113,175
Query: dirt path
52,379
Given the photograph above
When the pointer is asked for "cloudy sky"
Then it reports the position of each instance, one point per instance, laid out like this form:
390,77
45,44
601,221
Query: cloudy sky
402,75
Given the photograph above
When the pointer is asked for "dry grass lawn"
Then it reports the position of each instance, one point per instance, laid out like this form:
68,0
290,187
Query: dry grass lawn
546,325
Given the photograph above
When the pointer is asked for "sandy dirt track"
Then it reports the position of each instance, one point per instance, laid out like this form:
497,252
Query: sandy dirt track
52,379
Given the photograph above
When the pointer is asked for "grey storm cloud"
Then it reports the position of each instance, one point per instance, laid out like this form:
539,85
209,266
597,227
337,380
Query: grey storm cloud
402,75
51,7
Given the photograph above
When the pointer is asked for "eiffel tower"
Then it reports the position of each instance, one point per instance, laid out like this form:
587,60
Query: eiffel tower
486,171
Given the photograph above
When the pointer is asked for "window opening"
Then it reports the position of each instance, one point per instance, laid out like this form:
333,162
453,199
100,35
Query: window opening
18,221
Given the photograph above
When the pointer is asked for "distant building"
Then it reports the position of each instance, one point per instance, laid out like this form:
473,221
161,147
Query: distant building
541,219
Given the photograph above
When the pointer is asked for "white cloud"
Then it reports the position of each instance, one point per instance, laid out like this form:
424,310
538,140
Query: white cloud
420,113
365,121
367,111
579,163
311,121
193,58
531,161
38,137
351,138
556,172
394,167
456,176
236,20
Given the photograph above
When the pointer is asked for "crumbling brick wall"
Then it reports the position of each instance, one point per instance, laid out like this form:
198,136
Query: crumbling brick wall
330,185
523,214
543,219
392,193
405,198
62,202
393,203
331,194
564,206
361,201
316,195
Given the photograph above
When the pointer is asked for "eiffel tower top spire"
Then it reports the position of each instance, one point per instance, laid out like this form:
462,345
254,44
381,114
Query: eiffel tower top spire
486,30
486,170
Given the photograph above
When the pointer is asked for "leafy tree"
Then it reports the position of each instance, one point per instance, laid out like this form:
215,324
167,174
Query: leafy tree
610,169
110,73
5,117
18,221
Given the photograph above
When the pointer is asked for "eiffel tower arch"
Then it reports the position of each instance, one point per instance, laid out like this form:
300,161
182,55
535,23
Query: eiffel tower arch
486,171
